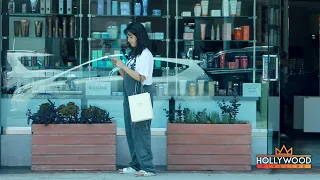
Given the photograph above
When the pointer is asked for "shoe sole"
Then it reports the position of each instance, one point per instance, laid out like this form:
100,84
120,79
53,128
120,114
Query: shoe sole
144,175
121,172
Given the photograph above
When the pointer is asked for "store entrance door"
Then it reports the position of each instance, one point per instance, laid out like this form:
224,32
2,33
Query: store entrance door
270,81
270,99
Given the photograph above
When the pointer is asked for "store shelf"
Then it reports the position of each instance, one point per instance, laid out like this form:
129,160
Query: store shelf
214,98
13,37
214,17
226,70
197,40
62,49
49,67
124,40
125,16
100,22
36,14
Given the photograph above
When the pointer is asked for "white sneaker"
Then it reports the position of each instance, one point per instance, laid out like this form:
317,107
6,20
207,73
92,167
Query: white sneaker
144,173
127,170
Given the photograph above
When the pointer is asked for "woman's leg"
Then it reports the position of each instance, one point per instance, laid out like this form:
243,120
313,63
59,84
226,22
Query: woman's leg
127,120
141,132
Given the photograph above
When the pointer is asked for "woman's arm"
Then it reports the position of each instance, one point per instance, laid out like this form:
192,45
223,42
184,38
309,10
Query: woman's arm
135,75
122,73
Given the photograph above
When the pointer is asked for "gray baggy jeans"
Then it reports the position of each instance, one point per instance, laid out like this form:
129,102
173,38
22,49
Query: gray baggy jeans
138,134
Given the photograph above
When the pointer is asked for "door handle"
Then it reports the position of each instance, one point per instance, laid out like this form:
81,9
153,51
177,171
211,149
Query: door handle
266,66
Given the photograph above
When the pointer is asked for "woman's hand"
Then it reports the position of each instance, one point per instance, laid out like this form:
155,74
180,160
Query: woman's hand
117,62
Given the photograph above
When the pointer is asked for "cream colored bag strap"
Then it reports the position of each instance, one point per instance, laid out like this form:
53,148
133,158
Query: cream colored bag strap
135,89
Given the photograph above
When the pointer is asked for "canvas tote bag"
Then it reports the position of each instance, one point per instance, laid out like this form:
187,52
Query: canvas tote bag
140,105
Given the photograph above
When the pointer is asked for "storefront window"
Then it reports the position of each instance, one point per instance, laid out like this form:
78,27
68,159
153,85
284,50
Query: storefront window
201,57
46,53
40,40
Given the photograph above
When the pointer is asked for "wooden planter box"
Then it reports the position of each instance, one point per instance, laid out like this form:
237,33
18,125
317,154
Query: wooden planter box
73,147
215,147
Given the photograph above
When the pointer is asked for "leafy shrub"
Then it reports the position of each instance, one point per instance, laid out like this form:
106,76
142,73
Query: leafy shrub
48,113
188,116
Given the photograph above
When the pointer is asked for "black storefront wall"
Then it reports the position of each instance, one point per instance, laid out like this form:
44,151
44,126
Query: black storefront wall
0,77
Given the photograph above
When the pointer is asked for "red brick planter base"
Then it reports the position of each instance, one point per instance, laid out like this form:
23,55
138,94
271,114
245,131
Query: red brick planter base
74,147
215,147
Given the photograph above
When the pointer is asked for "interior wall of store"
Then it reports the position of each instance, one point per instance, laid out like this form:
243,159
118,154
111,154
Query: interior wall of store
1,73
301,27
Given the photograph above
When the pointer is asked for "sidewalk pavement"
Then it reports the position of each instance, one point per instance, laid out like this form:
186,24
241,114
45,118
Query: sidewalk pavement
159,176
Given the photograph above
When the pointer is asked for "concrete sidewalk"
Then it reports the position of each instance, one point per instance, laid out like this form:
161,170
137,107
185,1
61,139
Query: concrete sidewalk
160,176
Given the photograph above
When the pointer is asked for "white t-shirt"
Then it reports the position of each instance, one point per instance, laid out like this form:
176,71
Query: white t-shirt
144,65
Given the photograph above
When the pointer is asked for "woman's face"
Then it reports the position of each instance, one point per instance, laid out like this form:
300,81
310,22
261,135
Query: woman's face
132,39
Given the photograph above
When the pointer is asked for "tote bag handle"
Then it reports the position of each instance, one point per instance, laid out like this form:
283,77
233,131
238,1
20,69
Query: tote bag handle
135,88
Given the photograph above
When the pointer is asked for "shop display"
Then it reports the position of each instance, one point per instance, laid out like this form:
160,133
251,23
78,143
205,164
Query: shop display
197,10
125,9
72,27
17,27
34,32
203,31
69,6
100,7
45,6
182,87
24,27
114,8
192,89
211,88
112,39
137,9
56,27
218,32
11,6
38,26
109,6
212,33
204,7
156,12
201,87
106,34
33,5
233,7
145,7
24,6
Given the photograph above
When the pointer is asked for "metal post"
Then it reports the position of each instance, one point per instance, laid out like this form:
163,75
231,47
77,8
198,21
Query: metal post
254,40
1,74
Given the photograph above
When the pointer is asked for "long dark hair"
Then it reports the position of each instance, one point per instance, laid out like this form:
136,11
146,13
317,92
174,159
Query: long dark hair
140,32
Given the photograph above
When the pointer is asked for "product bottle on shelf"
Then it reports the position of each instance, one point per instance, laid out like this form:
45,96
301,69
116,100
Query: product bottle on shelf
24,6
11,6
218,32
46,58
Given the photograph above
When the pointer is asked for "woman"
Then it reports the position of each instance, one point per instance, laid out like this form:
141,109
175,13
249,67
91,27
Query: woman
138,69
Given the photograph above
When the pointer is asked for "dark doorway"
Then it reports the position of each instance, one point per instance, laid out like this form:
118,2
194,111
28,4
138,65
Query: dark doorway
300,82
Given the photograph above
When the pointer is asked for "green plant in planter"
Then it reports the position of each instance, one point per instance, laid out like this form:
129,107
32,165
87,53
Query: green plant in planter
67,114
231,109
95,114
202,117
46,114
214,117
188,116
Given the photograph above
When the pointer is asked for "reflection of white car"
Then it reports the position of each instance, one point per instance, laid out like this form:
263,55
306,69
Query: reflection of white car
64,82
18,74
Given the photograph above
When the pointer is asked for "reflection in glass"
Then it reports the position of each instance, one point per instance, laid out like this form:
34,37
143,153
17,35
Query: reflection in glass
33,5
